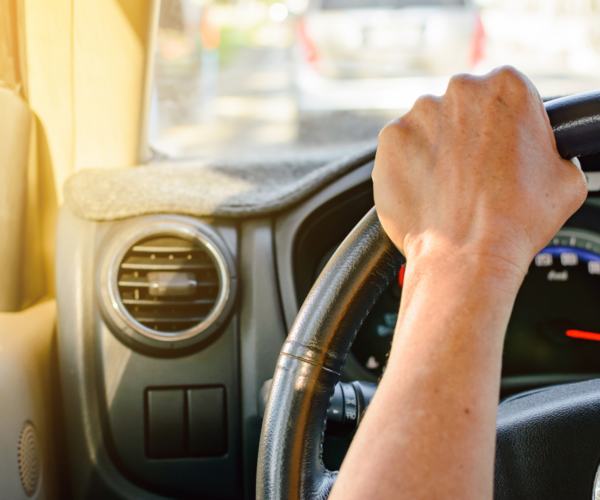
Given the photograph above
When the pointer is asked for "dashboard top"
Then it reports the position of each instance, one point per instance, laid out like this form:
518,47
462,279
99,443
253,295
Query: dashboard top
239,189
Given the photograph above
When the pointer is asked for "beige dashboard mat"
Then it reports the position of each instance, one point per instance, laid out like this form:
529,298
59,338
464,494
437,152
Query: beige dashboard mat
241,189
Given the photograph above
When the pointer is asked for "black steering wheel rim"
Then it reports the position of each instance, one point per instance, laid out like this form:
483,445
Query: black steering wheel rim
290,464
311,362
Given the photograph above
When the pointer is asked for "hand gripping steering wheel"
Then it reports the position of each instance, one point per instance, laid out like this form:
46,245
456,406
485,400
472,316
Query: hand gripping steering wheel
548,443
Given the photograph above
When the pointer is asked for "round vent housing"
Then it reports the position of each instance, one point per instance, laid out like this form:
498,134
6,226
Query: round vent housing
170,284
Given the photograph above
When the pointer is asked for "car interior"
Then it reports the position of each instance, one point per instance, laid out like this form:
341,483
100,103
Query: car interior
179,324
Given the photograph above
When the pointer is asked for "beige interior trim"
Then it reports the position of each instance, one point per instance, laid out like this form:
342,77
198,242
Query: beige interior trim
47,28
22,279
26,394
10,64
84,69
111,65
88,66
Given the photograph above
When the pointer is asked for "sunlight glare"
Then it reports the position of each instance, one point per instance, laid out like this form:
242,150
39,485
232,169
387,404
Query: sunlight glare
278,12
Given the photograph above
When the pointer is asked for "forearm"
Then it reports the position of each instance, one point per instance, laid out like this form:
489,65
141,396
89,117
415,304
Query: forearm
430,430
475,171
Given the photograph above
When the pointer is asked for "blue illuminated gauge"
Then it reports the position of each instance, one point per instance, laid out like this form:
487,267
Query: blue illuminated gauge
570,250
555,324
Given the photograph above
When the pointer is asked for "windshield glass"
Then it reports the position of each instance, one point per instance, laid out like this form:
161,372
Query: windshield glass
261,77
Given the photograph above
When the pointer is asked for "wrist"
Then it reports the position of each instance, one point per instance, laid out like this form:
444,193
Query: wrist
487,272
450,296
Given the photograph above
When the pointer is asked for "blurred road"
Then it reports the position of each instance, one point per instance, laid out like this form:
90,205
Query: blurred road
255,106
250,104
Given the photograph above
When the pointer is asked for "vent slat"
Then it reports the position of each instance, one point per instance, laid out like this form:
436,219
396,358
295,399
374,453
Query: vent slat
167,244
174,303
167,267
147,318
165,264
142,282
156,249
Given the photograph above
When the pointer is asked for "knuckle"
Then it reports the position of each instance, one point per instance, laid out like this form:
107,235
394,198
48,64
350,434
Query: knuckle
424,108
509,73
461,82
426,102
393,132
573,183
577,198
581,188
510,82
386,133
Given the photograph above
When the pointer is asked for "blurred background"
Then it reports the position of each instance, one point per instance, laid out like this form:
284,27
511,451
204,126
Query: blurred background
260,77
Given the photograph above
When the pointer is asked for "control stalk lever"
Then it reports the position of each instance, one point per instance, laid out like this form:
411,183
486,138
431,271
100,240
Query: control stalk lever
347,407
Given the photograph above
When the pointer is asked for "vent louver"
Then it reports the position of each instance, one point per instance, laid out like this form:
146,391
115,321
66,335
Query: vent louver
166,282
164,262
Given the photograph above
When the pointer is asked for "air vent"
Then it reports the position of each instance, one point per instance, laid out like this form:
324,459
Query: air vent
168,283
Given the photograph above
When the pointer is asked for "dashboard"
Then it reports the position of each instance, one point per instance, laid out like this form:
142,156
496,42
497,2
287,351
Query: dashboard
170,326
554,332
555,325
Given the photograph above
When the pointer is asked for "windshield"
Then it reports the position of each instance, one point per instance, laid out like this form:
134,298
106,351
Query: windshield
249,77
383,4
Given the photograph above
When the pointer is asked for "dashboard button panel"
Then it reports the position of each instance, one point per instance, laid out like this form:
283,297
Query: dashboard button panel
165,423
207,422
184,422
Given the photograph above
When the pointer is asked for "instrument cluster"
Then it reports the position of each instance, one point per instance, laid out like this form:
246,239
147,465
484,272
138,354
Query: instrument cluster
555,324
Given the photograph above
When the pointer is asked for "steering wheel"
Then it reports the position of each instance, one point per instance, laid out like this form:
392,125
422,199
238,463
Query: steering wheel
548,442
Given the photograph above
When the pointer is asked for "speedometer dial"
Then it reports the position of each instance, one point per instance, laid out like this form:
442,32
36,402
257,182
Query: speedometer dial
558,304
555,325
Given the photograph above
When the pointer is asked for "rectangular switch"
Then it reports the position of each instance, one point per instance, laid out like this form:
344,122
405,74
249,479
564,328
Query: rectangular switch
166,423
207,422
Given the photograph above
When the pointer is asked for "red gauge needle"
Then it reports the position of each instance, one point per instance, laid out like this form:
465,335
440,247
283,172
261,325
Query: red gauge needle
578,334
401,275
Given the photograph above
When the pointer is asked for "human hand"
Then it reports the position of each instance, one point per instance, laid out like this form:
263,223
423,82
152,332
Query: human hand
475,173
